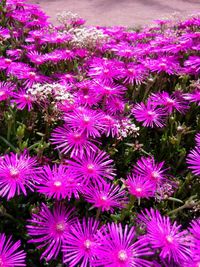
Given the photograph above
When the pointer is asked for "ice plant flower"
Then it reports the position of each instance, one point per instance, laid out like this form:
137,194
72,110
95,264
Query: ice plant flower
169,102
118,249
105,196
92,167
140,186
193,160
86,121
72,141
79,247
10,255
49,229
57,182
6,90
197,139
194,230
134,73
149,115
147,167
17,174
165,236
194,96
23,100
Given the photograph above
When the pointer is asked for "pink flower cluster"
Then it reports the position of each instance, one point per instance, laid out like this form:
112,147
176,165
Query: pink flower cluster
87,87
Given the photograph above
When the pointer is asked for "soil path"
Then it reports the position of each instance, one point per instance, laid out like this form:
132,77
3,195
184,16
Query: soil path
120,12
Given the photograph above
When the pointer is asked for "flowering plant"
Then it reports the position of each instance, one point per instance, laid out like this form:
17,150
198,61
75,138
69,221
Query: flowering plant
99,142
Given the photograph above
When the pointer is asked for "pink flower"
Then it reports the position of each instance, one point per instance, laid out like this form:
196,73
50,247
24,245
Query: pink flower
92,167
5,63
16,173
108,89
118,249
36,57
50,228
15,54
161,234
197,139
114,106
23,100
57,183
6,90
169,64
110,126
149,115
134,73
169,102
79,247
193,160
193,65
140,186
104,69
86,121
9,253
194,96
124,50
73,141
149,169
105,196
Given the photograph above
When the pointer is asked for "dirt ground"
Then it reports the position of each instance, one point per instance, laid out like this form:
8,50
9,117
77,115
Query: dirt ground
120,12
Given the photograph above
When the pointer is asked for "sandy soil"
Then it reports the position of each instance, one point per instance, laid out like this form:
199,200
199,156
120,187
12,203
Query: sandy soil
120,12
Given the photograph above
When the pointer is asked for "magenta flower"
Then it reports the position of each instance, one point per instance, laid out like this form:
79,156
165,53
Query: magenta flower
194,230
168,64
79,247
161,234
5,63
86,120
169,102
69,140
118,249
193,65
28,75
14,54
105,196
50,228
124,50
4,33
16,173
23,100
36,57
193,160
194,96
134,73
57,182
6,90
10,256
140,186
104,69
108,89
115,106
110,126
152,171
197,139
149,115
92,167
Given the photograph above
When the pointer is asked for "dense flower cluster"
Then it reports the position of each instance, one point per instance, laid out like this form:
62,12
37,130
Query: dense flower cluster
98,127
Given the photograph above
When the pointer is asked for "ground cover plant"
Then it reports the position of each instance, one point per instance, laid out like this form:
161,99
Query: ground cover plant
99,142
